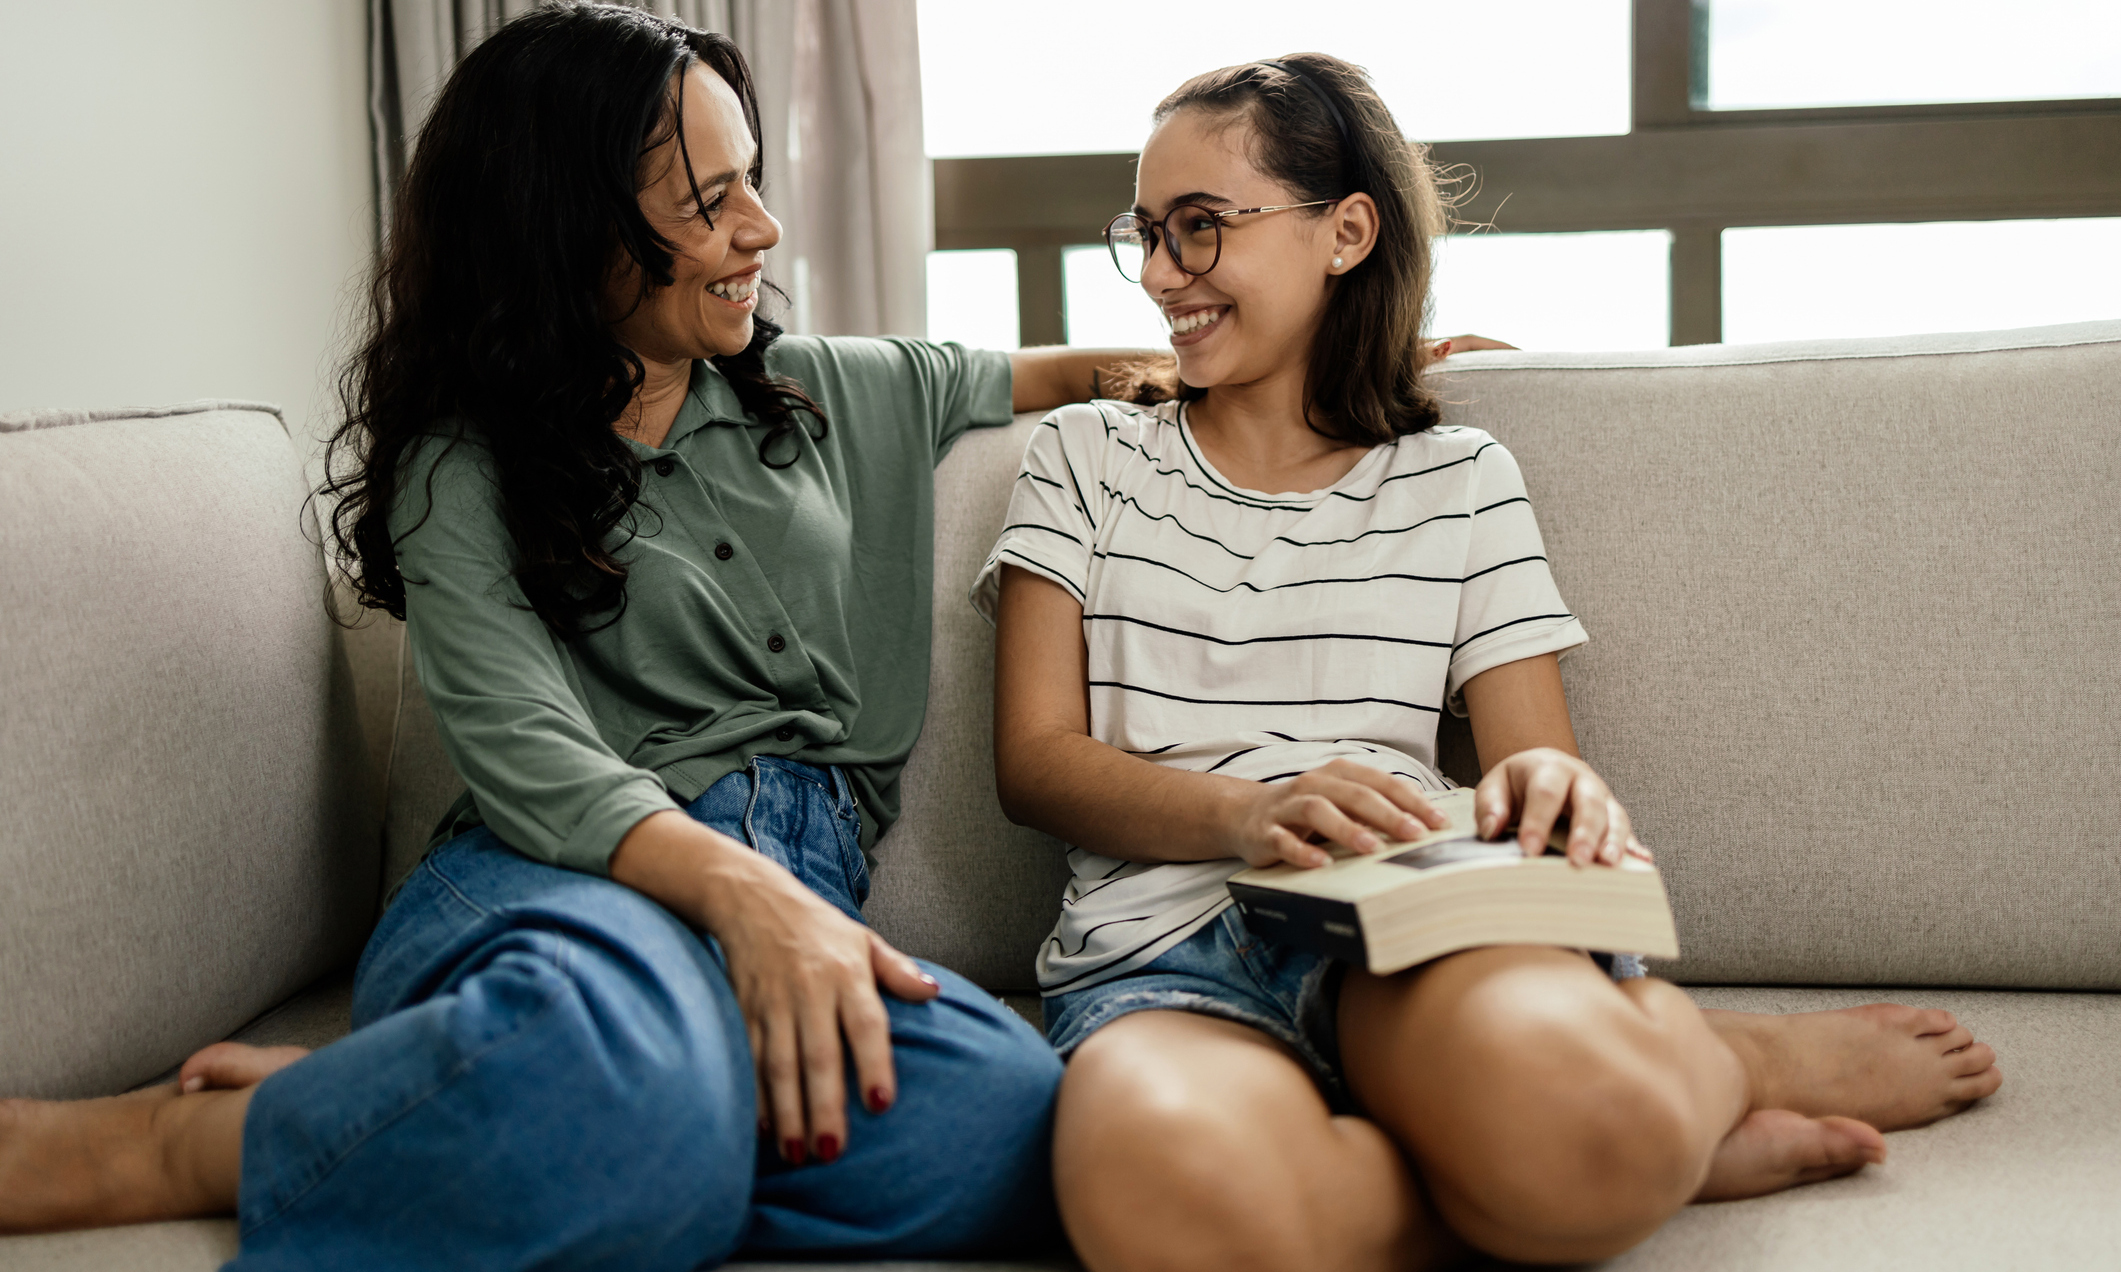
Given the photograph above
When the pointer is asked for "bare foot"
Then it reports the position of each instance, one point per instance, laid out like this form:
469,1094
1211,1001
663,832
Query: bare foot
131,1158
1775,1149
1890,1066
231,1066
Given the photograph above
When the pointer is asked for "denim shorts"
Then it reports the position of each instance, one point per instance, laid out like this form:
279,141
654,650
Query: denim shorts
1227,971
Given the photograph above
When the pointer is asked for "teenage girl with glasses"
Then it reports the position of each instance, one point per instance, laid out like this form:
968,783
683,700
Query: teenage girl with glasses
1230,611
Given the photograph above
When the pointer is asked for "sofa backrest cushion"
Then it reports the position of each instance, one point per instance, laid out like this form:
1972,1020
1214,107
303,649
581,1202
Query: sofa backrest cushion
184,841
1855,659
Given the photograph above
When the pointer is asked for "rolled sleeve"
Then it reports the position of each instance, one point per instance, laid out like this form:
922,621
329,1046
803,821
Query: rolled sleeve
500,687
1508,606
1052,523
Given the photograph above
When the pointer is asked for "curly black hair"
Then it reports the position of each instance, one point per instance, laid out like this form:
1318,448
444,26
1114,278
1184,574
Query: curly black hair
487,310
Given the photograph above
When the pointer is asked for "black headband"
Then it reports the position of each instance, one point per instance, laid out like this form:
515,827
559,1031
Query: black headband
1353,157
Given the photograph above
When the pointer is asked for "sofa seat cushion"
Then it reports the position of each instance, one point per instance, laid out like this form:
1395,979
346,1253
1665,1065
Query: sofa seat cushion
2025,1179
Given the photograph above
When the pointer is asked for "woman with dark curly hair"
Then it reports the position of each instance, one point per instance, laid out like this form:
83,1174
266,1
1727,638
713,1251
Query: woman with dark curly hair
665,575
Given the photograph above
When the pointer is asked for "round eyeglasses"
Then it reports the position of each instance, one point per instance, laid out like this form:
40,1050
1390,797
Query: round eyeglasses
1194,233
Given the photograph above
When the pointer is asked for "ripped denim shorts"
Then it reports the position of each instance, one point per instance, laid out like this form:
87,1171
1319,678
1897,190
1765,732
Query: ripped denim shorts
1227,971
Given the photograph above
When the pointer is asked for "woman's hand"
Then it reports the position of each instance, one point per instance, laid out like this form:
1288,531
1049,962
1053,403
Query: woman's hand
1342,802
1537,788
1449,345
805,975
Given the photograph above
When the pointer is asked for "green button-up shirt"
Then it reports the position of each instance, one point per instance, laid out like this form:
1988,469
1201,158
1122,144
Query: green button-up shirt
769,611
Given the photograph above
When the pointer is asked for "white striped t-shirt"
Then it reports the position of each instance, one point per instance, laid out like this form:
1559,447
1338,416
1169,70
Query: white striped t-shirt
1259,635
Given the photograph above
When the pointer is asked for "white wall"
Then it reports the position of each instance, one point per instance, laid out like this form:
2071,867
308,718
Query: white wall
186,203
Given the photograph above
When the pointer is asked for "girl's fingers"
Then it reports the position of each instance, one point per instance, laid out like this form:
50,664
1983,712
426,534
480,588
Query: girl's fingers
1493,802
824,1080
784,1087
1589,819
1369,805
1322,814
1635,849
1287,846
1546,793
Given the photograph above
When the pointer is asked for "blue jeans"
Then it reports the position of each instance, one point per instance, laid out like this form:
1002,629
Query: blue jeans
550,1070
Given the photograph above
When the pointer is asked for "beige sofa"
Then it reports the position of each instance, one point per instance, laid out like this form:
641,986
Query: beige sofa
1855,611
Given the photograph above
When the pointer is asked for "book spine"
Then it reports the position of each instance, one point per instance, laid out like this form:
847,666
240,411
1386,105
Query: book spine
1322,926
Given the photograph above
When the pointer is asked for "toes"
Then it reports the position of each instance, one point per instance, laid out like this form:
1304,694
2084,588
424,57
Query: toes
1975,1058
1978,1086
1844,1145
1952,1039
1936,1020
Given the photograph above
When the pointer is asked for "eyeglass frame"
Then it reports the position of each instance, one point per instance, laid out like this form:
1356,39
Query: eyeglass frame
1162,230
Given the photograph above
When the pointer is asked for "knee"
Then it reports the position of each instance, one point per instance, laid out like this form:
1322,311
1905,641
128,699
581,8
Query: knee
1153,1176
1584,1141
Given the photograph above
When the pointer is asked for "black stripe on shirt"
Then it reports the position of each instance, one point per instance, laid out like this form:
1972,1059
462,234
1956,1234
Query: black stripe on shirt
1529,618
1500,503
1045,571
1033,525
1261,640
1500,565
1255,588
1220,902
1245,702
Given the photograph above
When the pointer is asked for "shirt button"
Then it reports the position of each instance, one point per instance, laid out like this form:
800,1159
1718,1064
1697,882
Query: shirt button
665,465
722,552
784,733
775,643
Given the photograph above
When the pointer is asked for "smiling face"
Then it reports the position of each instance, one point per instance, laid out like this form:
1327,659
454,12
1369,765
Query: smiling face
1254,315
721,239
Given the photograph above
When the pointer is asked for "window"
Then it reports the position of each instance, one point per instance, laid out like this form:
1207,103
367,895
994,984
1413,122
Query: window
1102,308
1556,291
1784,53
1037,77
972,298
1730,119
1817,281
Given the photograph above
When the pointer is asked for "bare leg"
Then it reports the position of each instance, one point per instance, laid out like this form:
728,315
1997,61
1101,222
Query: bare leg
1188,1142
134,1158
1557,1117
1891,1066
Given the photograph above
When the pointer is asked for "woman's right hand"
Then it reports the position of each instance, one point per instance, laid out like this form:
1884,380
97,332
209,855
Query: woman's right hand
806,976
1342,802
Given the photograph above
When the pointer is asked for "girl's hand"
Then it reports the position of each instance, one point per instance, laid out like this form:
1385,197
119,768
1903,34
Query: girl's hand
806,976
1343,802
1540,786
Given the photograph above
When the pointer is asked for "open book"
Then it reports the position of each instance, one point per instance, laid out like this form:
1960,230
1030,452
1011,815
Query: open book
1450,890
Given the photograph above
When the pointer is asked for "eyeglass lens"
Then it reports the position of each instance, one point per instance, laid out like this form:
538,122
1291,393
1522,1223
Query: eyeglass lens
1194,236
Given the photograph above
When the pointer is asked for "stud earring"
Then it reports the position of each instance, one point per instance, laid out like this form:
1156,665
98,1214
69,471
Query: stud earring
1336,262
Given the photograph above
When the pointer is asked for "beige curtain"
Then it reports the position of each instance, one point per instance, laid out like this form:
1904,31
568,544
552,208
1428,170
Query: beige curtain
839,103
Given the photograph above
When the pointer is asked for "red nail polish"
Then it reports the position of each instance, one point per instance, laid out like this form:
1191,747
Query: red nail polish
877,1100
828,1148
792,1149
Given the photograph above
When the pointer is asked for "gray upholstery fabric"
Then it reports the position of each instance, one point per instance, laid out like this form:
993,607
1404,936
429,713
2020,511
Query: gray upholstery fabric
183,843
2025,1180
955,881
1855,657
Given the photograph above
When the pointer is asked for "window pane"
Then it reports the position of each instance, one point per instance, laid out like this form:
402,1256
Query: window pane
972,298
1041,77
1608,290
1817,281
1104,308
1788,53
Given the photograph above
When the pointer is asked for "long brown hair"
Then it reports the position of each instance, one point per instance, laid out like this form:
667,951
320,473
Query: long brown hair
487,306
1326,134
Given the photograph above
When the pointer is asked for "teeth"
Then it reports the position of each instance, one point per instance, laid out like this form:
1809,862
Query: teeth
1186,323
738,291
